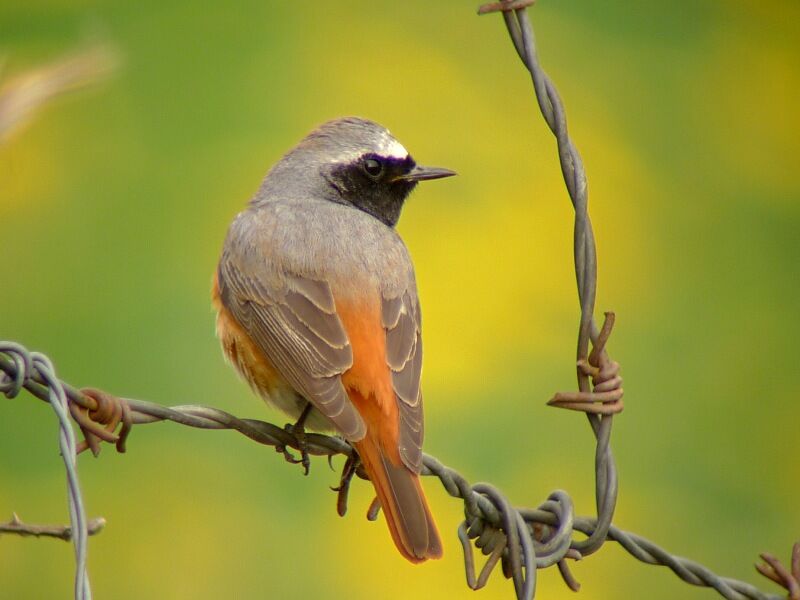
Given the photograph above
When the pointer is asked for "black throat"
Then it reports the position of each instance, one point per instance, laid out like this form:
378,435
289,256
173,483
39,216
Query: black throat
381,196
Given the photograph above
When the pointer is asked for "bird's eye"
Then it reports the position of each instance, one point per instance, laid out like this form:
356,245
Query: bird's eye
373,167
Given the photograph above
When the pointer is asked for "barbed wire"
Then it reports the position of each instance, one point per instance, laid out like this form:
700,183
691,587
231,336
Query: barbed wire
601,397
25,365
20,97
521,540
489,516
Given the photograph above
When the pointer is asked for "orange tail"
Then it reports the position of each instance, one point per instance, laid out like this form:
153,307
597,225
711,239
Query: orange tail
403,502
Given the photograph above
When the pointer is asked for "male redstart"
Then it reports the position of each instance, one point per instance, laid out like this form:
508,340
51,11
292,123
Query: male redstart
317,307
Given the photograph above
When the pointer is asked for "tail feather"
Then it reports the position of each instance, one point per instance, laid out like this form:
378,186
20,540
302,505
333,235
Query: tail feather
403,502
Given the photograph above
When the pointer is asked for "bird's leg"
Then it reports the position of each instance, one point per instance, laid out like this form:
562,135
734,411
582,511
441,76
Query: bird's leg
299,432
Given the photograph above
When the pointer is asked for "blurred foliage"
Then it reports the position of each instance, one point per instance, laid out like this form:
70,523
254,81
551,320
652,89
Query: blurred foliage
114,203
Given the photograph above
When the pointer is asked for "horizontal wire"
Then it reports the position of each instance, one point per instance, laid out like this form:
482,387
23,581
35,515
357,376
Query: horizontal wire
487,515
521,540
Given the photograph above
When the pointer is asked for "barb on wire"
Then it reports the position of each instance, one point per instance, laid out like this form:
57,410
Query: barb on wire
549,528
773,569
27,366
520,540
600,391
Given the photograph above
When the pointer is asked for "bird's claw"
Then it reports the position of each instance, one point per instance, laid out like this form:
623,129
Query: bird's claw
291,458
348,472
298,432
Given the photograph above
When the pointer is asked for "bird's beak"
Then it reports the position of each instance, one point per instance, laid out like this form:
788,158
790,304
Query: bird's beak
419,173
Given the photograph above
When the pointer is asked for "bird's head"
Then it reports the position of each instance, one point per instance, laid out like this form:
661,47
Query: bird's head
357,162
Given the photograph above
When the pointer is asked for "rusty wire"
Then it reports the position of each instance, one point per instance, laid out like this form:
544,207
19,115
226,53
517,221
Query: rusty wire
28,367
548,528
521,540
600,387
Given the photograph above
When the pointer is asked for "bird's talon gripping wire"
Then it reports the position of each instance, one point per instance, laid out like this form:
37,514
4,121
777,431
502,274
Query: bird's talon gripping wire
348,472
298,430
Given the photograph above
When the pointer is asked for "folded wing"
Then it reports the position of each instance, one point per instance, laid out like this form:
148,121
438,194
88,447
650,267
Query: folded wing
295,324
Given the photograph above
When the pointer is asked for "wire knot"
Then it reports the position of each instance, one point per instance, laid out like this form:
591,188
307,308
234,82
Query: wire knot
521,540
100,422
16,375
499,532
606,395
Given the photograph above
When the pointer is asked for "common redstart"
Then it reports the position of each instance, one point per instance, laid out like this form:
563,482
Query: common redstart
317,307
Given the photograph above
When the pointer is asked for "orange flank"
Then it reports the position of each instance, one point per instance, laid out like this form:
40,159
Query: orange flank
243,353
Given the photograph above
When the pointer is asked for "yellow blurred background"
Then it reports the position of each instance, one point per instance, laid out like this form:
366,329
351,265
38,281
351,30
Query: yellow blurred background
114,203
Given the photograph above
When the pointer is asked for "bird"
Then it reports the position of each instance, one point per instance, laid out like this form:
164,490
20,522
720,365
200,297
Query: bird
317,307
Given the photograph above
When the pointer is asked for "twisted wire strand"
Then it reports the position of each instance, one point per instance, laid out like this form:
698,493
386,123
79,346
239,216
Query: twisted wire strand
606,383
28,364
522,540
550,105
549,528
552,109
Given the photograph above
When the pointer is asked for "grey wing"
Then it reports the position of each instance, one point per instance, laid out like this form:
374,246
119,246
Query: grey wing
296,326
402,322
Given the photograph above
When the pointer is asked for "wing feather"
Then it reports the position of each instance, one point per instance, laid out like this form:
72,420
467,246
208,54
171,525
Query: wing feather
402,321
296,326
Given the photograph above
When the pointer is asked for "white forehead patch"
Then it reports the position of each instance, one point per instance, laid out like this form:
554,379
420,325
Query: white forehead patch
384,145
392,148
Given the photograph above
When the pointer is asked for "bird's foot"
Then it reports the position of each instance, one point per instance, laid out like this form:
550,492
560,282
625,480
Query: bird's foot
348,472
298,431
291,458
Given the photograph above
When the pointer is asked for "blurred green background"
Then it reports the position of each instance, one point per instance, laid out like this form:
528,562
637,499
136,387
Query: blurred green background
114,203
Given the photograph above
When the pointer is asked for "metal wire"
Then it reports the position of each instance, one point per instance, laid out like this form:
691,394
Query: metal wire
521,540
34,364
544,532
